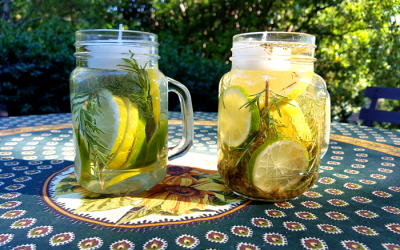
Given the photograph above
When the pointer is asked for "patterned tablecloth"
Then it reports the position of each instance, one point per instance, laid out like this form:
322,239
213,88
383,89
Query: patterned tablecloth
353,205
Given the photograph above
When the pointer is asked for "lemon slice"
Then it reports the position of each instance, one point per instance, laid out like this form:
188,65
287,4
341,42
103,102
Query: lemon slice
282,82
295,89
128,174
112,120
138,152
236,124
124,149
155,94
275,165
292,123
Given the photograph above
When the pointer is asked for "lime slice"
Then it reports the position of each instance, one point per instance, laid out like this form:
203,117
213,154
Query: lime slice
155,94
236,124
112,120
275,165
124,149
82,161
292,122
137,155
157,143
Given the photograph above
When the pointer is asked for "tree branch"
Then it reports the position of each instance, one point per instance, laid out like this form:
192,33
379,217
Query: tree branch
343,34
6,12
268,8
20,22
312,14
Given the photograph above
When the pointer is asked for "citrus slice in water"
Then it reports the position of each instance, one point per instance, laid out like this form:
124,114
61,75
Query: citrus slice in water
124,149
236,123
295,89
82,161
285,83
137,155
155,94
275,165
112,120
292,122
156,143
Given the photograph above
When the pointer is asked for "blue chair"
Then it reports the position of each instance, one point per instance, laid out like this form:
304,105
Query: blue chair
371,114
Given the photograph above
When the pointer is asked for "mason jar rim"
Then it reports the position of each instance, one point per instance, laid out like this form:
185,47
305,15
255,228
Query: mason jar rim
276,37
115,36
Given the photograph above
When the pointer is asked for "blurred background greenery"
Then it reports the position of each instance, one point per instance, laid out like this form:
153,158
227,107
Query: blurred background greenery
358,44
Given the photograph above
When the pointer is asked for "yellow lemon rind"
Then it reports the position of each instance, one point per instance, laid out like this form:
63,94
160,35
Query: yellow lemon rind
121,155
139,148
155,95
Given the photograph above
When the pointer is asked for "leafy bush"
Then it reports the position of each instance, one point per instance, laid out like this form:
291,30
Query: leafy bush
200,75
358,44
35,69
37,64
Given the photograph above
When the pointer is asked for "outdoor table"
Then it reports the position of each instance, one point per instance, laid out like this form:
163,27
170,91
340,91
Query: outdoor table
353,205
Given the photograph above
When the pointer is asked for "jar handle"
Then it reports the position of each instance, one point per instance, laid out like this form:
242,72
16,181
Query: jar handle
327,126
187,119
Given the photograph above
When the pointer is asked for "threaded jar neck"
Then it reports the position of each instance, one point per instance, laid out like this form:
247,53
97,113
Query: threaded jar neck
272,50
105,49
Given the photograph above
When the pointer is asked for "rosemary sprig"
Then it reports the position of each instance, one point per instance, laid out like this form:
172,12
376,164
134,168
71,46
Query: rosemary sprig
87,128
267,126
254,100
248,145
140,79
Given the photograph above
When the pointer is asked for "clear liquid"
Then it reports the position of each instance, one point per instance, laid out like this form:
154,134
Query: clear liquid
133,172
308,116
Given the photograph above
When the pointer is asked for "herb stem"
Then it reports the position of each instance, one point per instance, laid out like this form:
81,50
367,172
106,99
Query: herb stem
102,179
266,90
265,125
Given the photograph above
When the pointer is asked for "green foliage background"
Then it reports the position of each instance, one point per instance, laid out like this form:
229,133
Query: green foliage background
358,44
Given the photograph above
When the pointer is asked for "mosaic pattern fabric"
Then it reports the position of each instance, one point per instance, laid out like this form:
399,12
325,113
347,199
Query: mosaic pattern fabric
55,119
353,205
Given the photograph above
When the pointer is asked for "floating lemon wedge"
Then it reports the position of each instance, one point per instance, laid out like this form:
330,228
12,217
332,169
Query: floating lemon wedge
286,83
155,94
292,122
132,124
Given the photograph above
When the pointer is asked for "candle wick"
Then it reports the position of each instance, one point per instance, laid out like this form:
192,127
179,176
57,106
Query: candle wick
120,33
264,38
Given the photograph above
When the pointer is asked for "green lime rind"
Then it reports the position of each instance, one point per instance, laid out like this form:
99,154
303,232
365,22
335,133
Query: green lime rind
254,157
139,148
84,158
260,149
157,143
254,113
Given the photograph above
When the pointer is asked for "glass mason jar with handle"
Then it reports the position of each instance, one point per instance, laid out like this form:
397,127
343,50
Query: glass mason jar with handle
271,116
119,105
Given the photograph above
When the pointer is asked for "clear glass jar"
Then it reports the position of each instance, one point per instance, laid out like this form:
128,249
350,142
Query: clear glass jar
271,116
119,104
